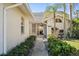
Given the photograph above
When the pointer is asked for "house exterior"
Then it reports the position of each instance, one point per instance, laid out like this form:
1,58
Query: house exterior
17,22
15,25
37,24
48,19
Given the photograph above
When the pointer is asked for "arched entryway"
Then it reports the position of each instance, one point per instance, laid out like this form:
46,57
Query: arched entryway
41,30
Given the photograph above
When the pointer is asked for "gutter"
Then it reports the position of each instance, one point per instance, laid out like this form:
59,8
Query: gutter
30,11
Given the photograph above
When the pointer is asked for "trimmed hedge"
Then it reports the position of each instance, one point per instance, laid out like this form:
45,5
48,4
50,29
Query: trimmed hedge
24,48
57,47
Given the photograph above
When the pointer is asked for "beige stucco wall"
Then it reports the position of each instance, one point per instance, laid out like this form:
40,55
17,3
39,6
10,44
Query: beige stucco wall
1,28
50,24
13,26
14,36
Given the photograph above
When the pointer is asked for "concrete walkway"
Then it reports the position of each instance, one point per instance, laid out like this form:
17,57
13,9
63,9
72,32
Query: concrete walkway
39,48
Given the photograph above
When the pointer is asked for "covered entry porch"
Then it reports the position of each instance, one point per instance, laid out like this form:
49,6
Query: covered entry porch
39,29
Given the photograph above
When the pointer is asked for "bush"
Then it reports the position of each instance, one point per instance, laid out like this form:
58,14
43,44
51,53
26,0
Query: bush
24,48
58,48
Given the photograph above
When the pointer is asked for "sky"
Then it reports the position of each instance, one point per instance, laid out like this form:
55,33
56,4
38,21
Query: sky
38,7
41,7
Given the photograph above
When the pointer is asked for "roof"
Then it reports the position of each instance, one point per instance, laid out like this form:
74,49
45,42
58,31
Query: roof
38,16
25,8
58,13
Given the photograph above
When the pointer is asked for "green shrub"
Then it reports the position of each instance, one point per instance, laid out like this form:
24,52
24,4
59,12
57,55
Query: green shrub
23,48
58,48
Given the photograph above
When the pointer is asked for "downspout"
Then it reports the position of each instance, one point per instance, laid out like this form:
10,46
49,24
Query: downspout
5,27
4,30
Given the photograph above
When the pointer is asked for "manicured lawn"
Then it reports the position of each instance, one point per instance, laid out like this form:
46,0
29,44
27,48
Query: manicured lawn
74,43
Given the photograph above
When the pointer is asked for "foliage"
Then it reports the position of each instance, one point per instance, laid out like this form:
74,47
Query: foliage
51,36
57,47
75,28
76,20
24,48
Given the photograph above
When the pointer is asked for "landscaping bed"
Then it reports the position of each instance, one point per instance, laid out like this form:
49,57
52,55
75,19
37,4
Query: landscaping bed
24,48
57,47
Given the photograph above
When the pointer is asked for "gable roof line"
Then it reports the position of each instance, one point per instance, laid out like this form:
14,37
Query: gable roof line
29,9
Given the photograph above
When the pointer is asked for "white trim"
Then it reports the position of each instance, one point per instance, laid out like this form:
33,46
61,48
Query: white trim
29,9
12,6
4,31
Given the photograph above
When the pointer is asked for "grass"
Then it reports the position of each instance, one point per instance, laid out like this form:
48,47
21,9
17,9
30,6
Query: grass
74,43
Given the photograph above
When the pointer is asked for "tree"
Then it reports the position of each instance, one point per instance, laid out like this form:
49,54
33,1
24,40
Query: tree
70,19
76,25
64,17
77,13
75,28
64,6
53,9
72,7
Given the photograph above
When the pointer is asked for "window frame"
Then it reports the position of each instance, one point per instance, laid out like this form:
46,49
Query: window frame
22,26
58,20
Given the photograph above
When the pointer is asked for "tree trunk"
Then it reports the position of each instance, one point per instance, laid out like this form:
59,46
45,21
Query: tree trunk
54,25
71,19
64,22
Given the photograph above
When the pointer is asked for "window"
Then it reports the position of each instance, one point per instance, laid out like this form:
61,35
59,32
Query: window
52,30
61,34
56,28
33,28
22,25
58,20
45,21
61,31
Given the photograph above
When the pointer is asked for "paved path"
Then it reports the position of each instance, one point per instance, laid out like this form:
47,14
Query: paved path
39,48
